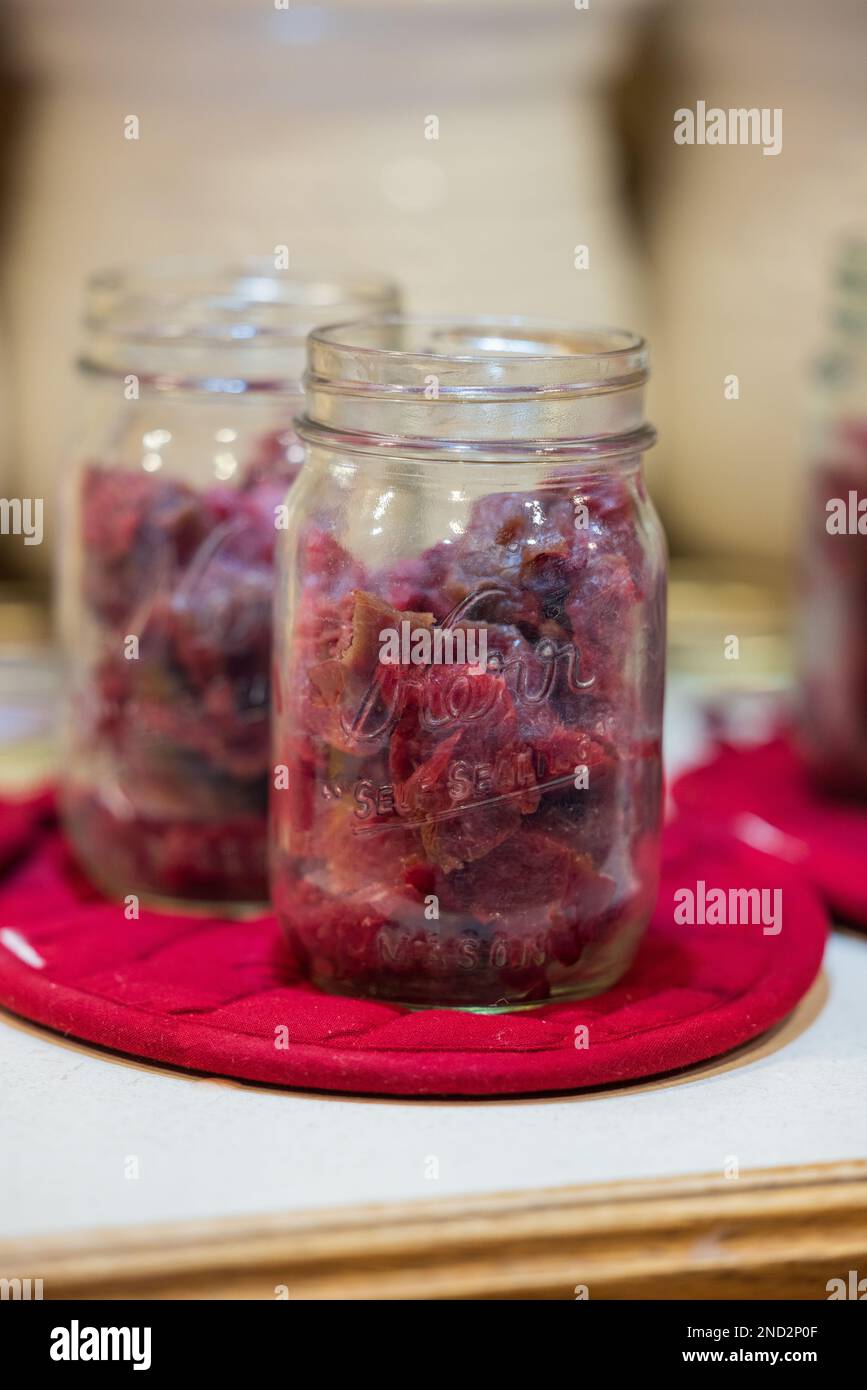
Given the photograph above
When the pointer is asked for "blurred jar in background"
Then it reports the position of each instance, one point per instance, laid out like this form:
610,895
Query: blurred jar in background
736,244
190,380
833,609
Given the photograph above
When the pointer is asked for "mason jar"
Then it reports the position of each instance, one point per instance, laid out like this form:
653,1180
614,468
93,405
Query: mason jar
190,376
469,664
832,608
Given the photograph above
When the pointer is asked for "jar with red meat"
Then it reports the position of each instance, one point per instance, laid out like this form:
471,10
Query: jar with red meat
469,665
832,608
190,378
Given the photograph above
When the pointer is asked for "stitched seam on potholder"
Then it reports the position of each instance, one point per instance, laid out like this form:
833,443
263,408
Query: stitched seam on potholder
329,1043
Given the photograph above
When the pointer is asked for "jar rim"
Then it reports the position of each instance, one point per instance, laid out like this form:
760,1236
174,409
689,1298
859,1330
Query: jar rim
495,350
484,386
246,301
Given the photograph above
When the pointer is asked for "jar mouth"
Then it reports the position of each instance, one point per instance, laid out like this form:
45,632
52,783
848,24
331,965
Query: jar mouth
200,301
487,387
485,353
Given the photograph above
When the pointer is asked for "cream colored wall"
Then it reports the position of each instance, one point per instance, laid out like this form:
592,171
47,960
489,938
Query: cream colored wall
260,128
306,127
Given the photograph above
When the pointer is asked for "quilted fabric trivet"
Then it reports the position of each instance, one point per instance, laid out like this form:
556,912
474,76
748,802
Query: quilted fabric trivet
217,996
763,795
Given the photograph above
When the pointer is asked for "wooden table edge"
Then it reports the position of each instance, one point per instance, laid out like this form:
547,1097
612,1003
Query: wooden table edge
768,1233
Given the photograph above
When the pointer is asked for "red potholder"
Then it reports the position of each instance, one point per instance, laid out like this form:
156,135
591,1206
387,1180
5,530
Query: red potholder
217,996
763,795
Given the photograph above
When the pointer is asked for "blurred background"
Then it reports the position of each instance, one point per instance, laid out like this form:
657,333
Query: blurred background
264,123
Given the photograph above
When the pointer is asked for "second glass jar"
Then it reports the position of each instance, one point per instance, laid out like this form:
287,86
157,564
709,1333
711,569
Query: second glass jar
469,665
190,380
832,607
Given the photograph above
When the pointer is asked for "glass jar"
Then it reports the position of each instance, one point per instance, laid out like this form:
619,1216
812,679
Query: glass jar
469,665
832,611
190,379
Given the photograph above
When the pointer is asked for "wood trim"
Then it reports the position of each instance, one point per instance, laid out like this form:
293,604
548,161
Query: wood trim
773,1233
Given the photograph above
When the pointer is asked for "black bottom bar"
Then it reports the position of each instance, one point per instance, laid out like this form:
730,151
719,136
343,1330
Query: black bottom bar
265,1339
